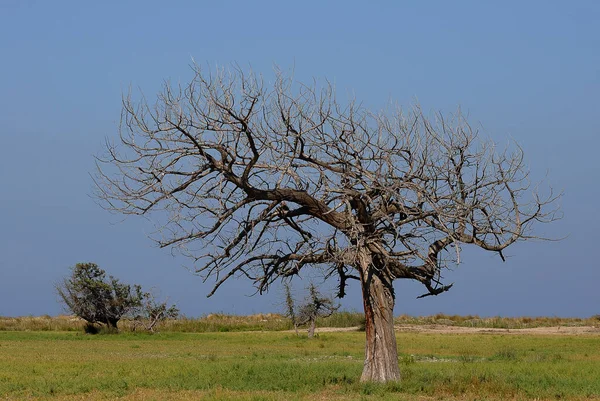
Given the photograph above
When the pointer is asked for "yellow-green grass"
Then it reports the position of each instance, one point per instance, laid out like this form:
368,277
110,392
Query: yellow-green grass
215,322
279,365
523,322
219,322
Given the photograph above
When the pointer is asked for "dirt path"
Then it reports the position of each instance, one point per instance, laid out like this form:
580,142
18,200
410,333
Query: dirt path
556,330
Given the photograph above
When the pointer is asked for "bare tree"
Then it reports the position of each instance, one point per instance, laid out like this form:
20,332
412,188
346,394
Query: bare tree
262,181
315,306
290,306
151,312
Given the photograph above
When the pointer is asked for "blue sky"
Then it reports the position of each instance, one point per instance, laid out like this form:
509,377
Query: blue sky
527,71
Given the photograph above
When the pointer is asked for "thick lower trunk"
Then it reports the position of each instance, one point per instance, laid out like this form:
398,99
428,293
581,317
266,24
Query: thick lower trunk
381,353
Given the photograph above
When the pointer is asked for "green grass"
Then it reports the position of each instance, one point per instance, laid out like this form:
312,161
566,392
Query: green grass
279,365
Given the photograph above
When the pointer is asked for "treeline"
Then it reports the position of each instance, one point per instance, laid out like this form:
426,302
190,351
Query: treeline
204,324
103,301
277,322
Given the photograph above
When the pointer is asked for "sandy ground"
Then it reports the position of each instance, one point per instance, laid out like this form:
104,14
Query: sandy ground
557,330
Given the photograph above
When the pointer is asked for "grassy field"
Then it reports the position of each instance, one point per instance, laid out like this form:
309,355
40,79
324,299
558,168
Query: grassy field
280,365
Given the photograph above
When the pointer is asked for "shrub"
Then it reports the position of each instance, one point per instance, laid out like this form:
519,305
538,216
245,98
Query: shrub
88,294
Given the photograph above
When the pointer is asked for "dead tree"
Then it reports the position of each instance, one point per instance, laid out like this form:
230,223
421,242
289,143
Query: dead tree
263,180
290,306
315,306
152,312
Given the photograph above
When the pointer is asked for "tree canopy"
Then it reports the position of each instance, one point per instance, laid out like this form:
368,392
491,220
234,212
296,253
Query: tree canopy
88,294
262,180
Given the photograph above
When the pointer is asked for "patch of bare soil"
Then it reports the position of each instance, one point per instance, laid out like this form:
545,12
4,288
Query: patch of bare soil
443,329
335,329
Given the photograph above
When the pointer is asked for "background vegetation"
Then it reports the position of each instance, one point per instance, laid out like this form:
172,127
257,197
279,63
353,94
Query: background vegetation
219,322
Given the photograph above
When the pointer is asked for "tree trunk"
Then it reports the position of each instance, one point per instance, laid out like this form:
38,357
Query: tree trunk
311,328
112,323
381,353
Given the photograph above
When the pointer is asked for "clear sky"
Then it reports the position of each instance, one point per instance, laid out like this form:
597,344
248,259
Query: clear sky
524,70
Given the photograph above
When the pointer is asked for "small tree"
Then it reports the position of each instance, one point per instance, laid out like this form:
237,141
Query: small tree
290,306
152,312
315,306
89,295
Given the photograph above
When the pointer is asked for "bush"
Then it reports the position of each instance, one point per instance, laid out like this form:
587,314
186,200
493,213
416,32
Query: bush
88,294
